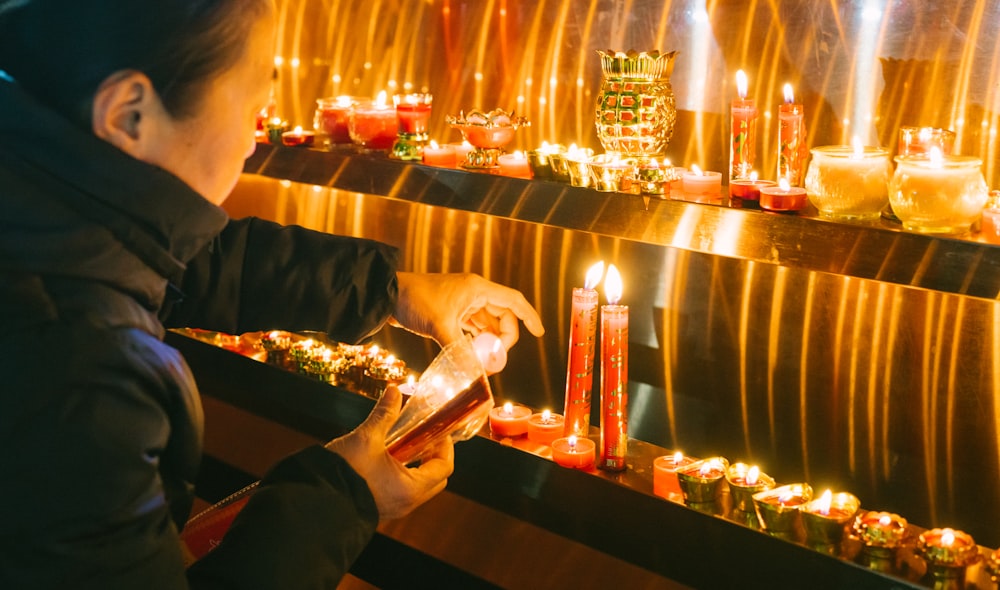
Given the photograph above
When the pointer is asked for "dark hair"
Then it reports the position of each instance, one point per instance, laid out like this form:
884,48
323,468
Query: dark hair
60,51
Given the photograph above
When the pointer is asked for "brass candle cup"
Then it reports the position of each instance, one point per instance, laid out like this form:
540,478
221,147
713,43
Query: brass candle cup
741,490
654,178
948,554
825,523
701,481
778,509
579,172
540,161
560,171
881,534
611,174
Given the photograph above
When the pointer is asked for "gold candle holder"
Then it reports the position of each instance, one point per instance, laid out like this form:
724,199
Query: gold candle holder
881,534
745,481
700,481
778,509
948,553
993,566
540,160
610,174
826,518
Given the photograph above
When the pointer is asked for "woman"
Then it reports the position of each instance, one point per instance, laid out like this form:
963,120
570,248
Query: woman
123,125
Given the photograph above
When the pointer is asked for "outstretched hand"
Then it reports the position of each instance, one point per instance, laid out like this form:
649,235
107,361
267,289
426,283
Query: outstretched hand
397,489
442,306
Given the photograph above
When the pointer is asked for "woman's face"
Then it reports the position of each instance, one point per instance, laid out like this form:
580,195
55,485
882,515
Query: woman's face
207,149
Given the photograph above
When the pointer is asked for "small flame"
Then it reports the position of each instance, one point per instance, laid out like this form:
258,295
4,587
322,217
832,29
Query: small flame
947,538
508,409
741,84
786,496
823,504
696,170
381,99
678,458
546,417
925,134
344,101
594,274
789,94
518,155
885,520
666,163
613,285
753,474
705,469
753,176
572,442
935,156
784,185
411,381
858,146
297,130
434,145
390,360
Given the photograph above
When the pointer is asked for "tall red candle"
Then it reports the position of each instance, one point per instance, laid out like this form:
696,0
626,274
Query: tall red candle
743,138
413,112
580,366
791,136
614,375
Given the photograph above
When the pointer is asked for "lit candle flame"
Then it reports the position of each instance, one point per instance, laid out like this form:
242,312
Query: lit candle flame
753,474
381,99
518,155
572,442
786,496
859,147
411,381
546,417
789,94
925,134
741,84
822,505
696,170
613,285
705,469
344,101
594,274
885,520
947,538
666,163
784,185
297,130
753,176
678,458
434,145
508,409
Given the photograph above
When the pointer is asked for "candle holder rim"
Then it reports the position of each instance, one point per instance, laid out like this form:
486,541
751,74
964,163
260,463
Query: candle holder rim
935,556
692,470
763,480
848,151
801,489
946,161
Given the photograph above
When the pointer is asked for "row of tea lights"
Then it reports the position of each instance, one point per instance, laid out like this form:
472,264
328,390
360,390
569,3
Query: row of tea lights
364,369
788,511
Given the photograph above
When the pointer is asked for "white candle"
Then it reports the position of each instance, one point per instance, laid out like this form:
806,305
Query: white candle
696,182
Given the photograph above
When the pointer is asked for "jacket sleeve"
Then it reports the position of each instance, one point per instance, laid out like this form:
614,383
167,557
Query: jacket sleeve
259,275
304,526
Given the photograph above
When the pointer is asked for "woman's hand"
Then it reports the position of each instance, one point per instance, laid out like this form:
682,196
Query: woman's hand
442,306
397,489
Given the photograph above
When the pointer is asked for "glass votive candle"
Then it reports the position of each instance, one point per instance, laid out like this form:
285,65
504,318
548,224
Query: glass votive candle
915,141
700,481
372,125
609,173
826,518
544,427
665,482
509,420
948,552
848,183
938,194
745,481
778,509
881,534
331,117
413,112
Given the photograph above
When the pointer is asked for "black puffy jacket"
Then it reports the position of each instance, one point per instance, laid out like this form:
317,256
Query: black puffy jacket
100,421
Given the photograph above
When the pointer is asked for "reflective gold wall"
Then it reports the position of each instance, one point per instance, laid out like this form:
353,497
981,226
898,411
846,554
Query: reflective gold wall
860,67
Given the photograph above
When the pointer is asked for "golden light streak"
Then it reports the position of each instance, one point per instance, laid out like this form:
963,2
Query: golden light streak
804,375
774,348
745,350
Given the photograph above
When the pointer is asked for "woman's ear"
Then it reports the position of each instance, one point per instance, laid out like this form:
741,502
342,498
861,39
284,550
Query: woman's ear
124,112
